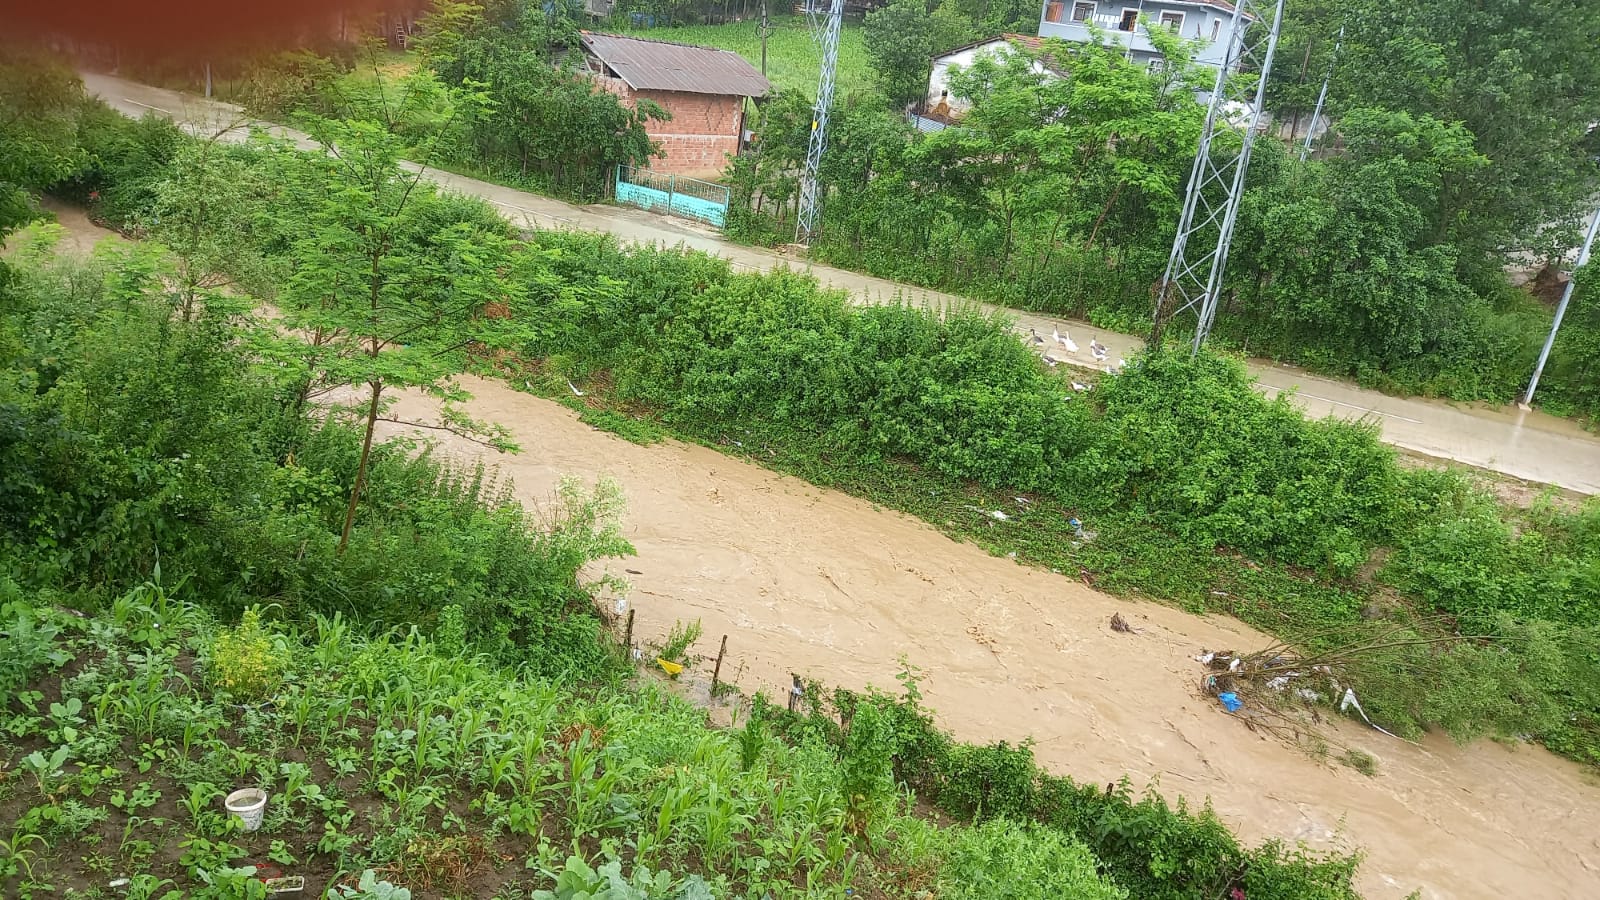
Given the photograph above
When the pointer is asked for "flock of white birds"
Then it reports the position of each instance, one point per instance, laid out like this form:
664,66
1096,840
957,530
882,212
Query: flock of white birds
1058,338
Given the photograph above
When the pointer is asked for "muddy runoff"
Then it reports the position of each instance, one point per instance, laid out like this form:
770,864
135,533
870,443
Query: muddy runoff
816,582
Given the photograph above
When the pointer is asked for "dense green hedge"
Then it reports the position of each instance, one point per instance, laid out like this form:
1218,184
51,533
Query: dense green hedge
1178,463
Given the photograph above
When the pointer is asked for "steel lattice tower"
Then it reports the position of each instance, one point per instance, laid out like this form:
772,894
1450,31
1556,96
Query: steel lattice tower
1193,278
826,32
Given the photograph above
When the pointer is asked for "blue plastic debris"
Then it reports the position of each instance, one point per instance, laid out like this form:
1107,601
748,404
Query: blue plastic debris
1230,701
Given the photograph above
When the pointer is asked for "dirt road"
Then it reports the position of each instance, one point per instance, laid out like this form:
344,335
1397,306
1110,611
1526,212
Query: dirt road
1527,445
816,582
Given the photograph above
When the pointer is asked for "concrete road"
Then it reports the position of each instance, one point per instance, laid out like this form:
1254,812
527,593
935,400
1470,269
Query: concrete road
1528,445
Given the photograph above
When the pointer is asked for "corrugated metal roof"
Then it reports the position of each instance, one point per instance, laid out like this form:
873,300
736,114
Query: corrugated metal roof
662,66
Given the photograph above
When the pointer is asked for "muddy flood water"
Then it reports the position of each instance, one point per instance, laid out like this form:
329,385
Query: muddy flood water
812,581
816,582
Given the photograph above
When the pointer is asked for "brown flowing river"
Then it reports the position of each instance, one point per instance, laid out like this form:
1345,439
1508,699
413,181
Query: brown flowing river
816,582
820,583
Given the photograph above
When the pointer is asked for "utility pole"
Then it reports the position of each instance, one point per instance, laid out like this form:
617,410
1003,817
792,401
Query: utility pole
1322,97
764,31
1561,311
826,32
1193,279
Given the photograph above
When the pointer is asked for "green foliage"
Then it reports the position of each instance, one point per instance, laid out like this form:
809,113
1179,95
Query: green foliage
1526,110
382,295
982,783
1052,829
900,38
1003,860
31,647
600,791
1382,260
1194,447
133,435
578,881
370,887
544,126
40,103
679,639
1190,478
247,662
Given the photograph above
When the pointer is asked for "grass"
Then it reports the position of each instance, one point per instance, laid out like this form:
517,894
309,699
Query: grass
793,61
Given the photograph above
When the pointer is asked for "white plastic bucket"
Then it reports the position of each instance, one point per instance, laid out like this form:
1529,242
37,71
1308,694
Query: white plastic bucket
247,805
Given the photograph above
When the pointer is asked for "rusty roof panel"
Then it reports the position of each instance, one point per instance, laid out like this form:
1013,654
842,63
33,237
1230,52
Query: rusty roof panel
648,65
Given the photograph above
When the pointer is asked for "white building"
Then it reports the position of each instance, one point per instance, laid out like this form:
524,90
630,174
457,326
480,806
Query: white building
1128,23
939,80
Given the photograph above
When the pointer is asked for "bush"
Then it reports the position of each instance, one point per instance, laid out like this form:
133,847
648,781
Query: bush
247,661
130,436
1006,861
1143,846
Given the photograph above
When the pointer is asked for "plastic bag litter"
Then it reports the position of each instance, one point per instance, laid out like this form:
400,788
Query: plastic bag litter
1349,700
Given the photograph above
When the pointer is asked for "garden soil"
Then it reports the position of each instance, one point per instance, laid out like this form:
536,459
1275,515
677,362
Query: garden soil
826,585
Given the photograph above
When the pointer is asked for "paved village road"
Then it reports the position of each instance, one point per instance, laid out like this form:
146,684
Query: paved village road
1526,445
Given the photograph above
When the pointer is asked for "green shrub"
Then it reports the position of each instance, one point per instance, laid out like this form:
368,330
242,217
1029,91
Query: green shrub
1007,861
247,662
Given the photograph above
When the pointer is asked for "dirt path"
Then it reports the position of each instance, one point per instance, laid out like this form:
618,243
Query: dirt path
817,582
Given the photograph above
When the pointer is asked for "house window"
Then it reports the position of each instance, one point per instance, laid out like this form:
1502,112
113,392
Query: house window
1055,11
1130,20
1173,21
1082,12
1216,29
1157,66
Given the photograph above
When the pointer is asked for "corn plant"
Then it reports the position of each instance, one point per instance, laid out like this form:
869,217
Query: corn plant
593,803
17,854
672,801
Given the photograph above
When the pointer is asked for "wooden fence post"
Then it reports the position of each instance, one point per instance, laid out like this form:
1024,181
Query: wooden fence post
716,673
627,635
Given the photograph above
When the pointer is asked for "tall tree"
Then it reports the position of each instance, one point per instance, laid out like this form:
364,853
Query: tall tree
900,39
388,282
1523,76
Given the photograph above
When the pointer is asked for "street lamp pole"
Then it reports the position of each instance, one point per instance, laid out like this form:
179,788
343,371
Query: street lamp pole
1561,310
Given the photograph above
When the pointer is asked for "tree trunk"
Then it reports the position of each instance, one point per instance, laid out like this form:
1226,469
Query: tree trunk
1095,231
361,467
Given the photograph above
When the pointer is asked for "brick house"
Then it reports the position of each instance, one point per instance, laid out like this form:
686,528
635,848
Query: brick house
703,89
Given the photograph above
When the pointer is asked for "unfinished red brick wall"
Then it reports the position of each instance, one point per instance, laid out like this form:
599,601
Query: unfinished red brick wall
702,134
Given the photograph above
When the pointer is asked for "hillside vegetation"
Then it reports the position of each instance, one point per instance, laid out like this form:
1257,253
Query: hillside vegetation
176,457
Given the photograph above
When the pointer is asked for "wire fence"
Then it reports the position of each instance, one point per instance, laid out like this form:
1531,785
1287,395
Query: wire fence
673,195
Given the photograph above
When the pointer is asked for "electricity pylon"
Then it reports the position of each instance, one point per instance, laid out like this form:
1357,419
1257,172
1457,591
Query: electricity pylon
1193,278
825,29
